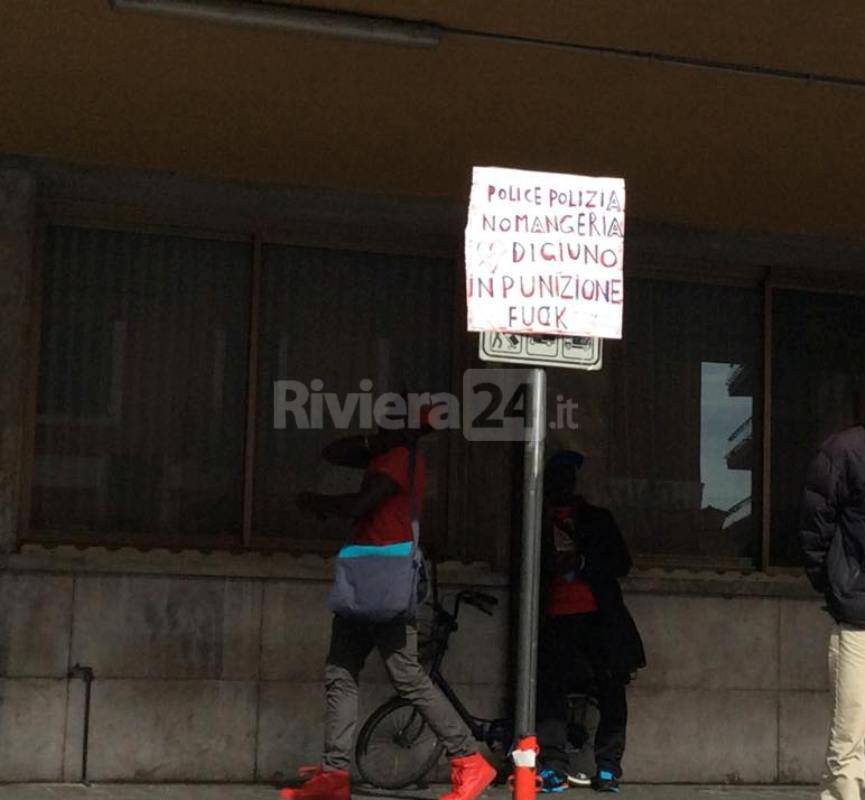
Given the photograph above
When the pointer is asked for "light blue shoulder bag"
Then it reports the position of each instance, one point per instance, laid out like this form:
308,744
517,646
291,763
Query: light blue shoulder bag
382,583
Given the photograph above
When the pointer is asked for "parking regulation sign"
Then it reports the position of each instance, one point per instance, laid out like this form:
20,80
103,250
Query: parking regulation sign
575,352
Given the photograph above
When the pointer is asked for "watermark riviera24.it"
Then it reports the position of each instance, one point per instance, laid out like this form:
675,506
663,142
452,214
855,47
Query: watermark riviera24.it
493,407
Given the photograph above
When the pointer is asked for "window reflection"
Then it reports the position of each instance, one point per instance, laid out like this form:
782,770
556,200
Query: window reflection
726,451
665,425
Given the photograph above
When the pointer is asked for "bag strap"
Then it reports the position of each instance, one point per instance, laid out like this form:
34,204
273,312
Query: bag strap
415,522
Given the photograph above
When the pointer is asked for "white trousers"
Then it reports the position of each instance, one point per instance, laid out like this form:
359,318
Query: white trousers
844,775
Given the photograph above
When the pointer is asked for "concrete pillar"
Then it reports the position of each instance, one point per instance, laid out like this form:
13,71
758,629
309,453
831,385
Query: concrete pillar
17,218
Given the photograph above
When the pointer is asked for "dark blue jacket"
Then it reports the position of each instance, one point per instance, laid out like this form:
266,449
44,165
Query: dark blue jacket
832,526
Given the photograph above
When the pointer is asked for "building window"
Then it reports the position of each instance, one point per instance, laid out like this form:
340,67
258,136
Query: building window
139,425
344,319
143,430
153,427
818,355
668,425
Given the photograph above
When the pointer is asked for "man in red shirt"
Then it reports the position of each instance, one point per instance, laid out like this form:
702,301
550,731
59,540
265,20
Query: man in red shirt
381,512
585,623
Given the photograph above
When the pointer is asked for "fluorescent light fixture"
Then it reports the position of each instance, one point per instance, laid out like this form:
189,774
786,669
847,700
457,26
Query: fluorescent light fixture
293,18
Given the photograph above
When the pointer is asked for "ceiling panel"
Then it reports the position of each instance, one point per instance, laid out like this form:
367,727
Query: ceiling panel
805,35
710,149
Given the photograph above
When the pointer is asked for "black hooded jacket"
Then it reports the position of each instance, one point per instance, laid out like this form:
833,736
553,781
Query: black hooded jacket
605,559
832,527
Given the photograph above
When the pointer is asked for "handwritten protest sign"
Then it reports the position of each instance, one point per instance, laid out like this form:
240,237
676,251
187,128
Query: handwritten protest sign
544,253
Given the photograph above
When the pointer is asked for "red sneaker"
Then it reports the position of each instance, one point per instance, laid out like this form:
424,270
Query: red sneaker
470,775
331,785
308,771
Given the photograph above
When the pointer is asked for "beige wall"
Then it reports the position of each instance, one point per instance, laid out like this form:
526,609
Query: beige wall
196,678
220,678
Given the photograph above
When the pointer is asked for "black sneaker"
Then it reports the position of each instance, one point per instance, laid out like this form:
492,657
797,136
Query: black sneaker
579,779
605,781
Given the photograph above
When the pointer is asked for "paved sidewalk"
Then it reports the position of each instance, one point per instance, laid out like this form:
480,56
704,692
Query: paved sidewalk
108,791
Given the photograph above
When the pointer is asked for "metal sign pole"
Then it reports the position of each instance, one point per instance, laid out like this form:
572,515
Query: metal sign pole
530,567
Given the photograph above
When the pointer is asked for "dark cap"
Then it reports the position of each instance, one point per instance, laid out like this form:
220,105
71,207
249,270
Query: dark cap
567,457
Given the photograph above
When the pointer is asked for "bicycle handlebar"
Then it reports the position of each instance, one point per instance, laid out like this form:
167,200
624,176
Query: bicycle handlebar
446,621
482,602
479,600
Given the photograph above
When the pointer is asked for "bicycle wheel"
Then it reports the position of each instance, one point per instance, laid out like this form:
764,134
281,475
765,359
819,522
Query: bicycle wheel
396,747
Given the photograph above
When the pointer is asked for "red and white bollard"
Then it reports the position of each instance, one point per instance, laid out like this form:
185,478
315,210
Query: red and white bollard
525,782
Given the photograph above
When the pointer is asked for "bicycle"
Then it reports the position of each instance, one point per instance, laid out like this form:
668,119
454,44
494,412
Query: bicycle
396,748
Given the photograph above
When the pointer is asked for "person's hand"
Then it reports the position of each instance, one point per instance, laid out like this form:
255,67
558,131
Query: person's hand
566,525
566,561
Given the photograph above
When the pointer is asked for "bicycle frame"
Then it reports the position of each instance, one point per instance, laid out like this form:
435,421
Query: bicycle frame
478,727
484,730
495,733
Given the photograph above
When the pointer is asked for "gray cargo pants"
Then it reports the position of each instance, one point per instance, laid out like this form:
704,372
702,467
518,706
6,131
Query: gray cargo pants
350,644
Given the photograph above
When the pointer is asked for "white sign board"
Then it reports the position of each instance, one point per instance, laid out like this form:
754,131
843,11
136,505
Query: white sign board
544,253
576,352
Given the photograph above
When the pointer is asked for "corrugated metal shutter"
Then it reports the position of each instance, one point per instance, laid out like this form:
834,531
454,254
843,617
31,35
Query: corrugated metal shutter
142,384
342,317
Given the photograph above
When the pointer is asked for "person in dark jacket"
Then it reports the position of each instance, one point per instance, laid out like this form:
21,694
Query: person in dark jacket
832,536
585,622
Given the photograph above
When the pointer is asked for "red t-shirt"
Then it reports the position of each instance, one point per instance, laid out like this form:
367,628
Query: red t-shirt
570,597
568,594
391,521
